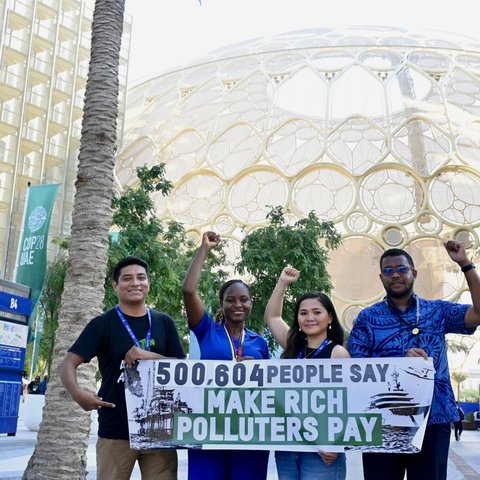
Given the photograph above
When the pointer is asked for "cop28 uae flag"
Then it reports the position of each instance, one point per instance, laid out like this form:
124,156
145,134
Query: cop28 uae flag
31,262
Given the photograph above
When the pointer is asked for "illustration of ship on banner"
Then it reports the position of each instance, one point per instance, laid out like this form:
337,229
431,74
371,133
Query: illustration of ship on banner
398,402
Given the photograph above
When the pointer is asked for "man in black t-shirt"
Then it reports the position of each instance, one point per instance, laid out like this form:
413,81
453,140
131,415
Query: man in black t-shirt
34,386
127,332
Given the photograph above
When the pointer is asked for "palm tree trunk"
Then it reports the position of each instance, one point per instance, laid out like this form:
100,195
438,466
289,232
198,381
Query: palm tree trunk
63,437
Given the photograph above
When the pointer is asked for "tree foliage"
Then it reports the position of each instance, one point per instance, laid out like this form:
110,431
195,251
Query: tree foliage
303,245
50,303
455,345
469,395
458,377
163,245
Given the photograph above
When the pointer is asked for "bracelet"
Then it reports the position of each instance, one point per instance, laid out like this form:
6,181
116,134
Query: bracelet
468,267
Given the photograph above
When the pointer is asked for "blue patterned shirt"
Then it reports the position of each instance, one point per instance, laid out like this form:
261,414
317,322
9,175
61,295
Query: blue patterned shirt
383,330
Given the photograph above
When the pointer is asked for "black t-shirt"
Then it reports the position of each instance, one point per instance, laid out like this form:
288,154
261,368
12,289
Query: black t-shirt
106,338
33,388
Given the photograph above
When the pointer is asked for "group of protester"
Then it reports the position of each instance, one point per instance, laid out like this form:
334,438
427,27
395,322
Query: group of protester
402,324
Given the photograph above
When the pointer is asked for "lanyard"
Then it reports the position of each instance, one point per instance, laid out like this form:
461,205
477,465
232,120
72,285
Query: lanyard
236,353
416,329
130,331
302,353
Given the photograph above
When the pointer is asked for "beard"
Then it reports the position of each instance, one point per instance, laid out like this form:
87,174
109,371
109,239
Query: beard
405,292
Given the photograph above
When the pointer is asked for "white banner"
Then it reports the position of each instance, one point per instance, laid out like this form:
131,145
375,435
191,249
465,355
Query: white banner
337,404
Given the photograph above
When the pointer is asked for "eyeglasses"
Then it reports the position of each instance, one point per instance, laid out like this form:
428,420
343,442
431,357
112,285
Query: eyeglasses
401,270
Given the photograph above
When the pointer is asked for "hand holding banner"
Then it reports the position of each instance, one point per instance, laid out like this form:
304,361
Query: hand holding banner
335,404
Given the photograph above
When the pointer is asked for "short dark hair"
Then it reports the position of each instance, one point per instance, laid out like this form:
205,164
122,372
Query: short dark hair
396,252
125,262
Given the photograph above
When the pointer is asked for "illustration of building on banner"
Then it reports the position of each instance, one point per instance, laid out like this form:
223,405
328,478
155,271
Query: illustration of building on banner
154,417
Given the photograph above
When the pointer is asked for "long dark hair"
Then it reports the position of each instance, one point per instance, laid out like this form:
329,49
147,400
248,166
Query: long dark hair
296,340
221,293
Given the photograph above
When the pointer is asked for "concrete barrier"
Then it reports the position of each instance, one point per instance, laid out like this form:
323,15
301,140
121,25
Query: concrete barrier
32,411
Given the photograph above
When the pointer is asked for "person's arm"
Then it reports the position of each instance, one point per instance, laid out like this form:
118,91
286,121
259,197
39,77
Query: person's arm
457,253
136,353
193,304
340,352
328,457
68,375
273,311
173,347
359,343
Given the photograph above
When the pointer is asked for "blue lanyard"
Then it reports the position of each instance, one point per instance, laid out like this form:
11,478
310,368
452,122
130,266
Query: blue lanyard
130,331
415,329
301,354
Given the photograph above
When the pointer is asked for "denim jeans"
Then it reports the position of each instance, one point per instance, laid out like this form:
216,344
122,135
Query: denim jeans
309,466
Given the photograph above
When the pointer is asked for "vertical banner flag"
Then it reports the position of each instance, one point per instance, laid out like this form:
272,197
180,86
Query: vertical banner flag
31,262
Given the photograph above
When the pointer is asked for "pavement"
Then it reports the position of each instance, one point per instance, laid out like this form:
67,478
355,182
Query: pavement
15,451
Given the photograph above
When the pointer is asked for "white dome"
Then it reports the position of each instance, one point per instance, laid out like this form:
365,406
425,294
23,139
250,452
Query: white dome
376,129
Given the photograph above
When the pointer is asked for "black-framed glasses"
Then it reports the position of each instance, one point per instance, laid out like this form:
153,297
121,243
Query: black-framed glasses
401,270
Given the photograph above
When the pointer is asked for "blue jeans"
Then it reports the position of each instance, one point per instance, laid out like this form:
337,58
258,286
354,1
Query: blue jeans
309,466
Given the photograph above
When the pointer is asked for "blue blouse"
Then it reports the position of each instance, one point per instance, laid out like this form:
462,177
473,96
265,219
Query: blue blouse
215,343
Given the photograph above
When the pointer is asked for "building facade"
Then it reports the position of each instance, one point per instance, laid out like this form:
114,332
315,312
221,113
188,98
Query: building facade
376,129
44,59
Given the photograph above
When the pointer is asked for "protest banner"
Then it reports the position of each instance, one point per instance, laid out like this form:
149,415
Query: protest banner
337,404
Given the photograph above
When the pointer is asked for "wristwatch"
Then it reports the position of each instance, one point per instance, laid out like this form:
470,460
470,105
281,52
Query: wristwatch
468,267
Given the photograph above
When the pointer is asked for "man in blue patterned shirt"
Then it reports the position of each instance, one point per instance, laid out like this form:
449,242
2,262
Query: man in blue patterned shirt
403,324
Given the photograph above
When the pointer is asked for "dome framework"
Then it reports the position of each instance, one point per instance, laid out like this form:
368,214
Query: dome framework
376,129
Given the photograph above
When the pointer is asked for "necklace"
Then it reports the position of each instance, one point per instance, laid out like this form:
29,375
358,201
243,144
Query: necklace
416,329
308,352
315,351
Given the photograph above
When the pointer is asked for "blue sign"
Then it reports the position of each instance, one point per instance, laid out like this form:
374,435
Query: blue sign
15,304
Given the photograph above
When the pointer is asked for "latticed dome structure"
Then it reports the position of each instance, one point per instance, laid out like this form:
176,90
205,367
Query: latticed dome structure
376,129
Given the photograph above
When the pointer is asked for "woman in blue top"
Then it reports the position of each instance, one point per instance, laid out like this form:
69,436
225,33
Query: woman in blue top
315,333
225,338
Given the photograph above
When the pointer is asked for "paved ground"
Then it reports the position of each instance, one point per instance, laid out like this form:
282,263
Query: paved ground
464,459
